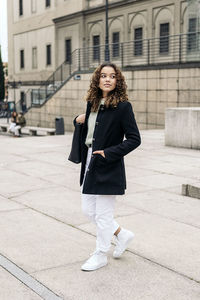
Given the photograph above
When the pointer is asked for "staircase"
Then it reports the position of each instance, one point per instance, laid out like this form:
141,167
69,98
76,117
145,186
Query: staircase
38,97
181,49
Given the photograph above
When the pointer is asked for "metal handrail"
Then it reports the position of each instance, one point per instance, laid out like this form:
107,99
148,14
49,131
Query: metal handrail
169,49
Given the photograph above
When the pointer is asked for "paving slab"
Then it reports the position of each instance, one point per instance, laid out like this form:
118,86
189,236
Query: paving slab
6,204
58,202
44,232
35,241
161,181
164,241
14,182
131,277
166,204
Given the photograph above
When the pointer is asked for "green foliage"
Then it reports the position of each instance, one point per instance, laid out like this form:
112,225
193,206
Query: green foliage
2,87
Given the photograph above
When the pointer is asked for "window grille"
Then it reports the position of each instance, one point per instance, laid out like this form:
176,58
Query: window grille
96,47
164,38
192,42
115,45
138,43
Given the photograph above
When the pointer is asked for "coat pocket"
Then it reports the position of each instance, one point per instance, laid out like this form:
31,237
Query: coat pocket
108,172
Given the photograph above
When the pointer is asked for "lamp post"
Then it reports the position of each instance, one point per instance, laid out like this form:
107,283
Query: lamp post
107,51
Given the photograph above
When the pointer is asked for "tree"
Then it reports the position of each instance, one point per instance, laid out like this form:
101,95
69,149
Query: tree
2,87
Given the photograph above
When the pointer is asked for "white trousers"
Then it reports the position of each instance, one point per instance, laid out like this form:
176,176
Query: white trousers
16,129
99,209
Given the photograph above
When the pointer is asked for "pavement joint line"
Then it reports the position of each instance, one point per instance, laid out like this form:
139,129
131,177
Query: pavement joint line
163,266
130,251
162,216
14,209
28,280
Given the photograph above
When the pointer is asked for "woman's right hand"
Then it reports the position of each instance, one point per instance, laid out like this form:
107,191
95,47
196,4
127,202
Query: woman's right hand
80,118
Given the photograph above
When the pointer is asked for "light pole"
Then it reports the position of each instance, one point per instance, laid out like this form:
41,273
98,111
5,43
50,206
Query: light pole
107,51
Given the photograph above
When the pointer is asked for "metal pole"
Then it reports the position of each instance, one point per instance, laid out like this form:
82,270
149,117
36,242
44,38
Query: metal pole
107,51
14,86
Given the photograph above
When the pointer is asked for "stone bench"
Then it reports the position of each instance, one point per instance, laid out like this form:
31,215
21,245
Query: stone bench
4,127
30,129
34,130
182,127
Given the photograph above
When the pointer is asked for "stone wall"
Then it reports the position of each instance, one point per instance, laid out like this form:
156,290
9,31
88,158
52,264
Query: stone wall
150,92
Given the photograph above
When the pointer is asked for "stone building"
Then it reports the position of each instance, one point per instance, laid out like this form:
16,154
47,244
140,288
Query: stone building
54,42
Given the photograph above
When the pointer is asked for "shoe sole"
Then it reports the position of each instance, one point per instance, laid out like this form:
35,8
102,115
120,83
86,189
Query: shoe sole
128,241
93,269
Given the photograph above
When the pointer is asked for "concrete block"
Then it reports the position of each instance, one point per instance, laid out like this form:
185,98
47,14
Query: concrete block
151,117
172,84
151,106
173,73
185,83
172,96
163,83
153,74
161,120
191,190
140,74
128,75
139,106
141,117
163,73
195,128
161,107
151,95
152,84
182,127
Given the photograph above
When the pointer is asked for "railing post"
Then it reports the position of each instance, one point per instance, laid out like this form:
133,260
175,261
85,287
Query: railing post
53,79
46,90
180,48
61,73
99,53
31,98
122,55
70,66
148,52
79,59
39,95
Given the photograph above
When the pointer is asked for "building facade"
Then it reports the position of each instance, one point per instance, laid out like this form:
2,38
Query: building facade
44,34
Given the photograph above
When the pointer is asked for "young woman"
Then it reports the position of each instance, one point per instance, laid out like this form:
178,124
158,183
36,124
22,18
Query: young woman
108,118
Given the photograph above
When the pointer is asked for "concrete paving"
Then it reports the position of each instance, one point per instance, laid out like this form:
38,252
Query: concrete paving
44,237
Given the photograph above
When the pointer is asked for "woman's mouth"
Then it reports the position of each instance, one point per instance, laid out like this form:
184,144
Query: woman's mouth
107,85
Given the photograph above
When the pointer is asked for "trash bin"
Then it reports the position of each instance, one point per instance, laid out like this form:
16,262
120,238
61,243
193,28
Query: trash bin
59,124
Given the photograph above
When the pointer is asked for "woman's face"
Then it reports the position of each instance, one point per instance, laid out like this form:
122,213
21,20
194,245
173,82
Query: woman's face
107,81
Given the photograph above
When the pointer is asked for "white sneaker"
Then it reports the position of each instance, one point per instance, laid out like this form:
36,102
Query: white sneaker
97,260
122,240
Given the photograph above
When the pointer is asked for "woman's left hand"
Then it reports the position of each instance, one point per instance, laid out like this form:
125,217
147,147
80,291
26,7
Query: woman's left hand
101,152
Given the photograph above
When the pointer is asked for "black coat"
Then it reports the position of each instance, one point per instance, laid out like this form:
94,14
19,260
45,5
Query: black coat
106,176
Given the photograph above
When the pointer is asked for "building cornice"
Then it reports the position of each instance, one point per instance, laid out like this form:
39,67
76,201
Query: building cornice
93,10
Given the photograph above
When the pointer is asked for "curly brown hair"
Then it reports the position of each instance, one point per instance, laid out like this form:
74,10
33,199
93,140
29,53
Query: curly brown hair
117,95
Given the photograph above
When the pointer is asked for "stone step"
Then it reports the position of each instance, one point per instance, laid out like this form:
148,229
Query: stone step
191,190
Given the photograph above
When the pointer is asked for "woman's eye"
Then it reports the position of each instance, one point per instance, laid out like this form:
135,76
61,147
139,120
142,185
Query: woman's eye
113,76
